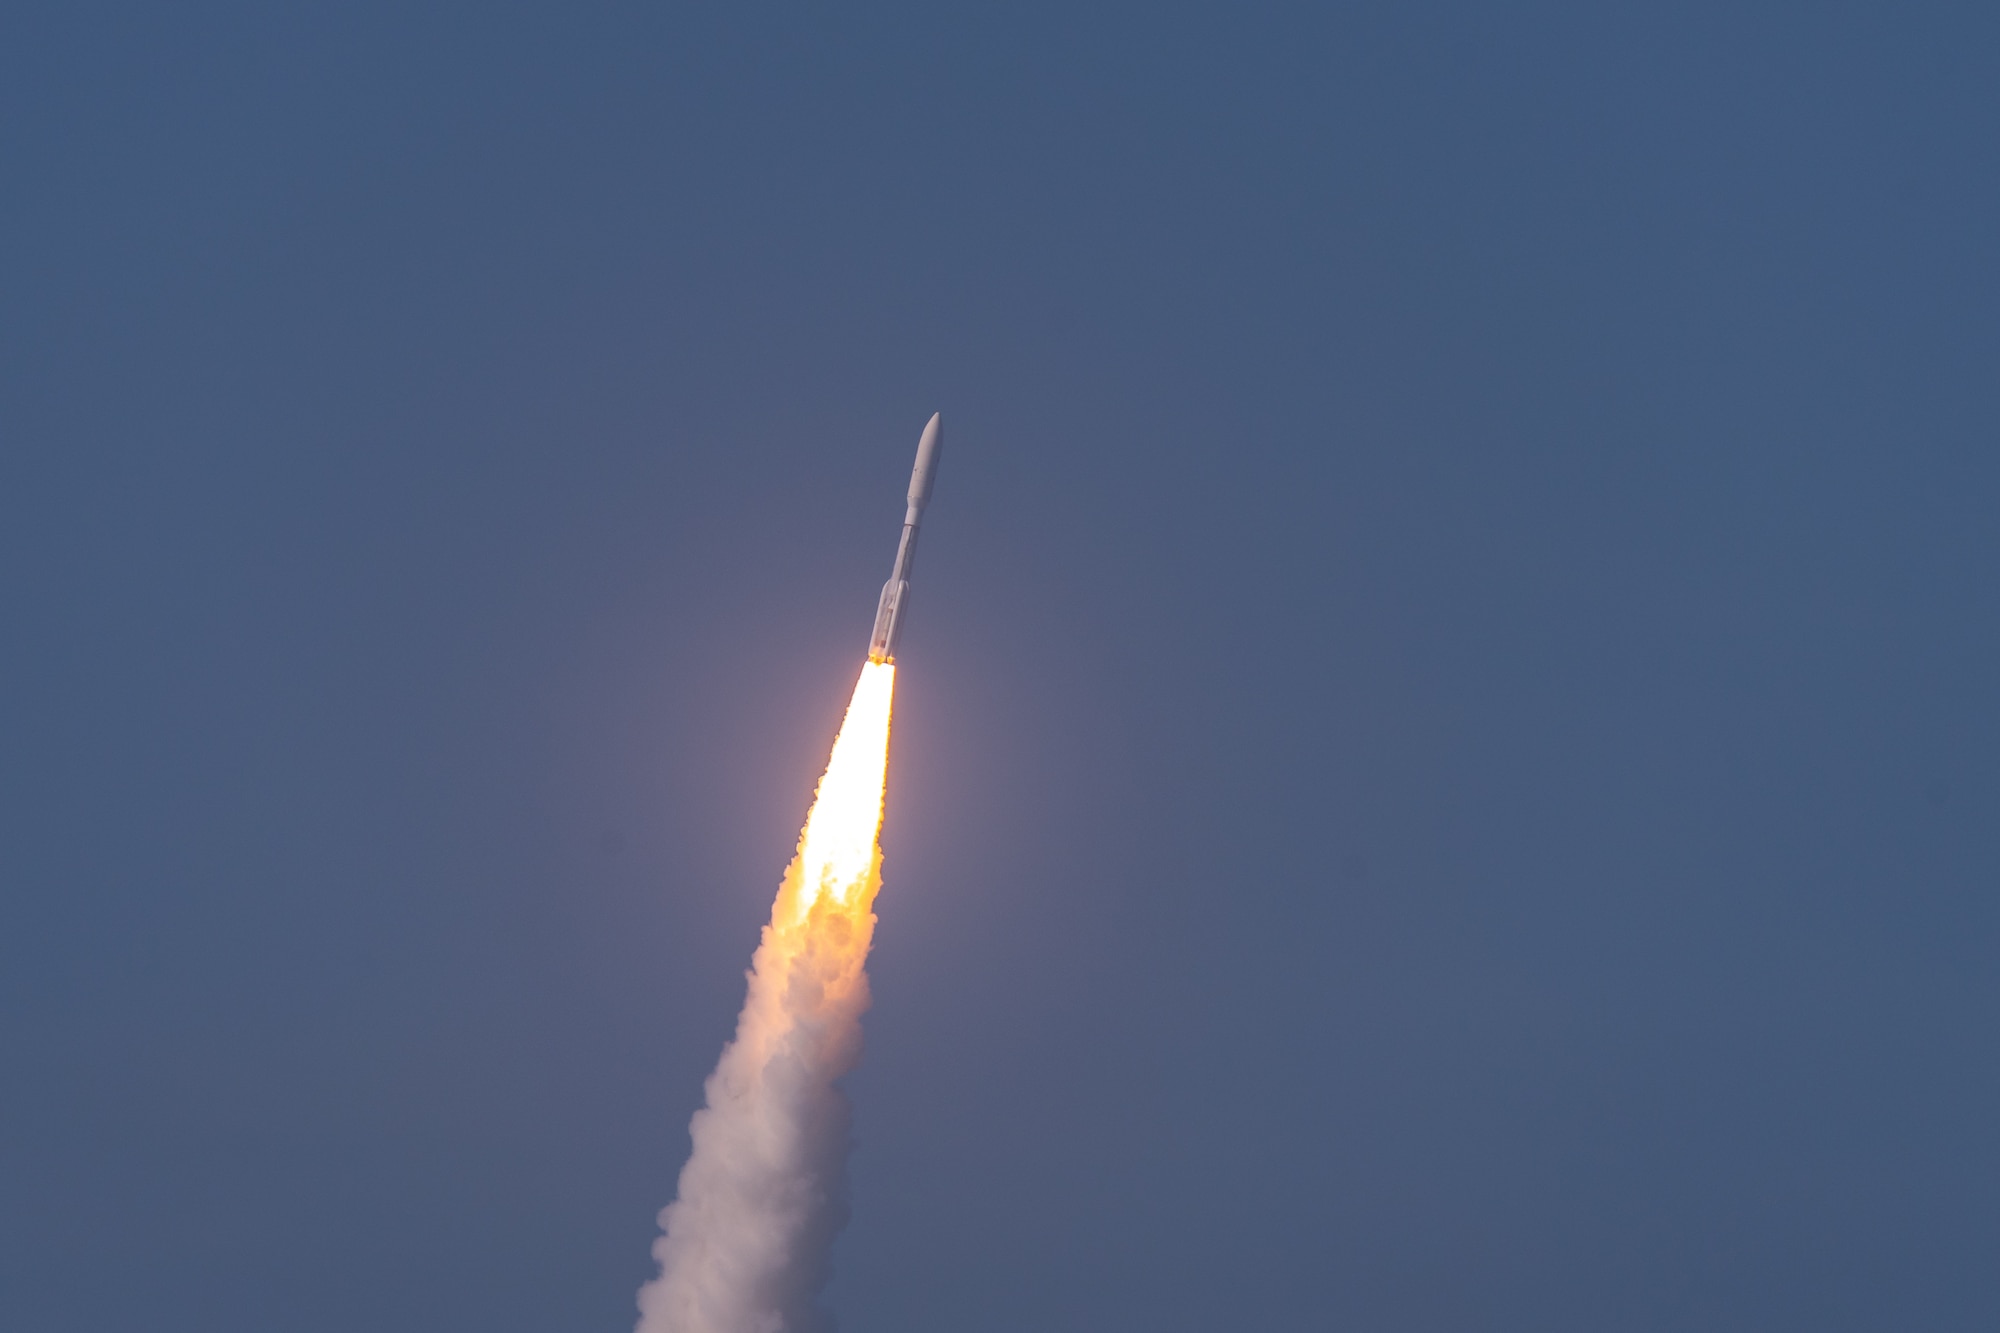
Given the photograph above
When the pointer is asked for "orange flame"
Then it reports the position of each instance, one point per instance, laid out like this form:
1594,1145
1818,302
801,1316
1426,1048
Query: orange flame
838,862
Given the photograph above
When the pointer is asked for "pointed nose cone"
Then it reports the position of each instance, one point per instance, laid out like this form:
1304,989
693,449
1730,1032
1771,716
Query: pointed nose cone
924,476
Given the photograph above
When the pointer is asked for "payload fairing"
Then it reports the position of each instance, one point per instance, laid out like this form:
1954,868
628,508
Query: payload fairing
896,592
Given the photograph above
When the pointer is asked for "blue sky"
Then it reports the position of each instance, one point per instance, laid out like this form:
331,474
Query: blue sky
1445,760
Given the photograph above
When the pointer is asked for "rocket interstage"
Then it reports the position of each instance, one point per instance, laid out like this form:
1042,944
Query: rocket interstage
748,1236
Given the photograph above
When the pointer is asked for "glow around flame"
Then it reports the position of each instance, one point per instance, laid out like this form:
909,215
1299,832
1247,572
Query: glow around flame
838,859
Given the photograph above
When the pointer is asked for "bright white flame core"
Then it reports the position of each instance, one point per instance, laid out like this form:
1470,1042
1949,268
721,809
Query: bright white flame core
837,848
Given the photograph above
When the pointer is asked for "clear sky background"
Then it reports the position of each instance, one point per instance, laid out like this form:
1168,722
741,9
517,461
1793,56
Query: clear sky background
1445,773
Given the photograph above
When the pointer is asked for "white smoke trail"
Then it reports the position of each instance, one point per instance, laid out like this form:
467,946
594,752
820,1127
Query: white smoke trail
747,1240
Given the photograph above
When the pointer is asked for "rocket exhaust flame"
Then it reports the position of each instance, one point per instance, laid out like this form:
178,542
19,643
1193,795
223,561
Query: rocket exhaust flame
746,1243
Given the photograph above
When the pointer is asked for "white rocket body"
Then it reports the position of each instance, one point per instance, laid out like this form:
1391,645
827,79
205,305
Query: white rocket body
896,592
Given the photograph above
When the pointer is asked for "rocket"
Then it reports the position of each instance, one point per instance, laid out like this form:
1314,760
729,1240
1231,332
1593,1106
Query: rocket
896,592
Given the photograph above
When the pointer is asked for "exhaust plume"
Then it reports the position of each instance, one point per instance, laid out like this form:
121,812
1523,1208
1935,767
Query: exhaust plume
747,1237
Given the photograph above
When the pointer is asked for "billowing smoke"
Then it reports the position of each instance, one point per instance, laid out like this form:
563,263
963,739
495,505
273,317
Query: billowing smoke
747,1239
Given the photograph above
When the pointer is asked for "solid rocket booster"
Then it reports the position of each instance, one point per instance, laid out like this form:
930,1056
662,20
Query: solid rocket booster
896,592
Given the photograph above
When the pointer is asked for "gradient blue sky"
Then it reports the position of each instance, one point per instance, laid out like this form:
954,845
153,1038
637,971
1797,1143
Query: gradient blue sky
1446,761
